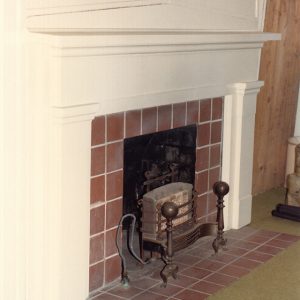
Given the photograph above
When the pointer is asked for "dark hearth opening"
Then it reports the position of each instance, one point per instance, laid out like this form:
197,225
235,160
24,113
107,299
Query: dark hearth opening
153,156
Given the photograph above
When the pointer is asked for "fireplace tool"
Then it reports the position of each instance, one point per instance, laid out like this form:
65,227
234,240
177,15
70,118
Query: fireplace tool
124,275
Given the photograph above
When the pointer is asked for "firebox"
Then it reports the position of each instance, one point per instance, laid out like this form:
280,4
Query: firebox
156,159
159,175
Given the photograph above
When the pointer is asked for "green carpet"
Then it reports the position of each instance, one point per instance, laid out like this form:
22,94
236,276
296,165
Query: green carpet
279,278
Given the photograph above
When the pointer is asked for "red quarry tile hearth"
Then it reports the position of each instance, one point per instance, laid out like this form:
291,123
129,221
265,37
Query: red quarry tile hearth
198,277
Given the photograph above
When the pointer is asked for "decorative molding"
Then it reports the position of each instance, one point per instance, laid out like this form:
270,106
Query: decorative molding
87,7
150,43
75,113
246,87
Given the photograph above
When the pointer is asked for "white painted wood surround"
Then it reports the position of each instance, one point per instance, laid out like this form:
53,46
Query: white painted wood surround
77,59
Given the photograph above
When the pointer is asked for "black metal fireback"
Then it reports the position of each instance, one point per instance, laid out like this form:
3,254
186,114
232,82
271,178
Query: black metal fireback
154,155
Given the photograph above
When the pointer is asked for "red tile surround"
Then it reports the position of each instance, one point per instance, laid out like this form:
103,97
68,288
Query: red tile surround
108,133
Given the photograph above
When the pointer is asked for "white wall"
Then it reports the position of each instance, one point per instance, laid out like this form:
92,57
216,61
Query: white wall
12,155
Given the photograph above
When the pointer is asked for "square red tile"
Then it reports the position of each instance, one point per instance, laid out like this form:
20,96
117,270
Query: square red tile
236,251
133,123
110,244
216,132
212,203
205,110
149,120
164,117
279,243
115,127
257,239
219,278
214,176
97,220
98,130
169,290
179,114
144,283
288,237
196,272
217,108
267,233
202,159
246,263
259,256
182,280
212,218
105,296
186,259
201,182
96,248
114,185
206,287
97,189
211,265
203,135
246,245
191,295
223,257
97,161
201,206
115,156
192,112
234,271
113,213
96,274
127,292
112,269
215,155
149,296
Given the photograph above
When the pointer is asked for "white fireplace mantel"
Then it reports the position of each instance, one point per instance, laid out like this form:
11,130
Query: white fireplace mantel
96,74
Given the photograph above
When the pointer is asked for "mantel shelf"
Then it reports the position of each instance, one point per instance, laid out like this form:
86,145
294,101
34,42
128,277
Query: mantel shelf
99,42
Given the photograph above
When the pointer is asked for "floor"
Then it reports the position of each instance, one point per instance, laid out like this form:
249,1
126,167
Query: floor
201,273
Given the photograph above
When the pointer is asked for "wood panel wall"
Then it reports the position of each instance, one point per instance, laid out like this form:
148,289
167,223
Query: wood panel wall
277,101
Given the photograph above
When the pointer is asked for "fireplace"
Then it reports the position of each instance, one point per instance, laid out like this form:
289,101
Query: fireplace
198,122
113,69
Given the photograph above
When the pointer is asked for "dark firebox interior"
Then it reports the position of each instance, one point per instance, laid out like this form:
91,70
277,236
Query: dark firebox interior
155,155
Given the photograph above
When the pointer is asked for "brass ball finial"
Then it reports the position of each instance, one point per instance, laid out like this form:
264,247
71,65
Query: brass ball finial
169,210
221,188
